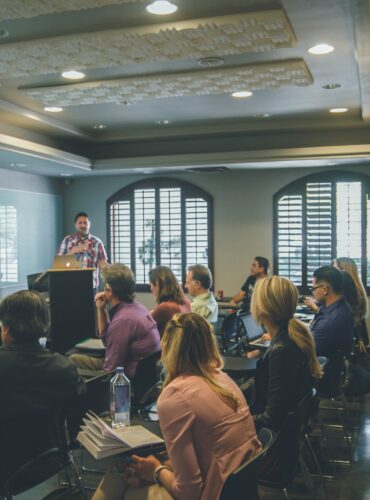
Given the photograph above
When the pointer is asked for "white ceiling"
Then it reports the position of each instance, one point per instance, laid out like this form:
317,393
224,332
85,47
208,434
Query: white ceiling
158,108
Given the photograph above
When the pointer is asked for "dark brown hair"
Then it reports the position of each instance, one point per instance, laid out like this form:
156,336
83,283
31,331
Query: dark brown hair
169,289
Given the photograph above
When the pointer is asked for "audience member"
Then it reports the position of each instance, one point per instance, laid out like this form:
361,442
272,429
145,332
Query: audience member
359,303
168,295
198,283
333,325
83,243
286,372
32,378
259,269
127,328
205,422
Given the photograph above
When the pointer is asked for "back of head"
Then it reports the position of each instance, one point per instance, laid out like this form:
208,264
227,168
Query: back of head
202,274
26,315
263,262
168,286
121,280
275,298
348,265
330,276
189,347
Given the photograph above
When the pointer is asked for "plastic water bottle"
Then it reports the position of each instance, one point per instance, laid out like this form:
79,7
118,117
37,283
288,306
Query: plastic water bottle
84,261
120,399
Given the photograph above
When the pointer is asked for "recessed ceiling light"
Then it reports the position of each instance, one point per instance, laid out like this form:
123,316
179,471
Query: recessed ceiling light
210,62
262,115
147,171
161,7
332,163
73,75
66,175
338,110
162,122
99,126
331,86
321,48
4,33
242,94
53,109
20,165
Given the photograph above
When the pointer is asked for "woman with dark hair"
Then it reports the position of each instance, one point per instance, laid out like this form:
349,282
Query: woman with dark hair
204,419
169,296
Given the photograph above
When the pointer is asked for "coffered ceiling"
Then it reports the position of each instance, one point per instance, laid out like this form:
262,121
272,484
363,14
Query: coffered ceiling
156,91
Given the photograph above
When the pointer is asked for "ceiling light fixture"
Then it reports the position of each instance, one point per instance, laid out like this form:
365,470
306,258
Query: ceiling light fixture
242,94
66,175
161,8
53,109
262,115
320,49
211,62
73,74
338,110
332,86
162,122
99,126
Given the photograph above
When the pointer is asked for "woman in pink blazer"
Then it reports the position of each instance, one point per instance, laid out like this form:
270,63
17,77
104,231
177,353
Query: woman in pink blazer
204,418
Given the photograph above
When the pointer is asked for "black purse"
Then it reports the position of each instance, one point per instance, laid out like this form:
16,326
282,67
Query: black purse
357,372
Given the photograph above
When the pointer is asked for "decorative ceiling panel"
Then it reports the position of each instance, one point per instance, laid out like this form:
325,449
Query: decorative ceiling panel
214,36
18,9
217,81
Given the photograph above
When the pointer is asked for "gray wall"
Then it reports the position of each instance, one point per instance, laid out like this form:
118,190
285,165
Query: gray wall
242,214
38,201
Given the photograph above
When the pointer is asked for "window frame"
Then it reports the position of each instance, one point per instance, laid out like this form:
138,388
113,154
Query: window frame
298,187
188,190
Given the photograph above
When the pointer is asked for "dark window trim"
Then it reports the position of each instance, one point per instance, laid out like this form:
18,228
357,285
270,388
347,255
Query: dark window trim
298,187
188,190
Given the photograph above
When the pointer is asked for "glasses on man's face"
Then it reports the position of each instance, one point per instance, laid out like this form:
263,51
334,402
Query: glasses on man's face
313,288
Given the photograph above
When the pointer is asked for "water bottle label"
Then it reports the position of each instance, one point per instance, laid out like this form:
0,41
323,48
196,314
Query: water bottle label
122,399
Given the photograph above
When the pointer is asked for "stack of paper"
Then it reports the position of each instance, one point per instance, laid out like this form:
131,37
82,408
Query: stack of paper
102,441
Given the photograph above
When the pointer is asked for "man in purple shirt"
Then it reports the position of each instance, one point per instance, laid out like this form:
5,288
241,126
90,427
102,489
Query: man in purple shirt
127,329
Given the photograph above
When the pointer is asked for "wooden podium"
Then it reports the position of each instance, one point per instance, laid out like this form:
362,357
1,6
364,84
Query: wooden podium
72,311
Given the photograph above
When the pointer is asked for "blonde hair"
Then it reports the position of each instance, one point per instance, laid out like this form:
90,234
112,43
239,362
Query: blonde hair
349,266
275,298
189,347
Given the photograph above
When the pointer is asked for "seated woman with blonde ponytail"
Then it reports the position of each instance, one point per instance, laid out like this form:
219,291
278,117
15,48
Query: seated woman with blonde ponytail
288,369
205,422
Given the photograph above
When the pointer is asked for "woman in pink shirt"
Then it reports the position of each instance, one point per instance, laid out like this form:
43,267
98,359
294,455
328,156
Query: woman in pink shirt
169,296
204,419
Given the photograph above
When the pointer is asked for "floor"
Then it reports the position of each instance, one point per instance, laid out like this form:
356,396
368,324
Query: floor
352,482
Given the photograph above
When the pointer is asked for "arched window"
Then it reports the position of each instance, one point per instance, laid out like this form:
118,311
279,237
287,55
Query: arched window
160,222
318,218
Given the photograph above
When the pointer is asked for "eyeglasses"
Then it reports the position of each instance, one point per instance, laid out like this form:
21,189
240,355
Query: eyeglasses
313,288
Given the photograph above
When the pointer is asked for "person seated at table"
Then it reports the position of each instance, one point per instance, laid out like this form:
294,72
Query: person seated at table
359,303
259,269
168,295
289,367
126,327
198,283
204,419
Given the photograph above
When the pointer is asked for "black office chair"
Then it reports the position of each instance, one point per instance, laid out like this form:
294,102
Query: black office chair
231,335
285,460
33,449
243,483
146,383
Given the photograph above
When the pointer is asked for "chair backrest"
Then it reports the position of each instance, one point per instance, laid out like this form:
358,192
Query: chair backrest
280,466
229,328
334,371
243,482
146,377
33,449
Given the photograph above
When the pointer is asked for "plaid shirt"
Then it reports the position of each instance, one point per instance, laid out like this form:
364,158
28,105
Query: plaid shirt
94,253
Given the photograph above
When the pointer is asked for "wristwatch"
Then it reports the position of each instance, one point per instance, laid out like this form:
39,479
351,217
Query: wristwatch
158,471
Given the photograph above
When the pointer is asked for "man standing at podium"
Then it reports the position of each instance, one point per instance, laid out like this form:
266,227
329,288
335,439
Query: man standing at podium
83,244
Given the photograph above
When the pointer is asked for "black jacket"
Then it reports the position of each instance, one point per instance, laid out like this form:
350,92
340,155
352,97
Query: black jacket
33,379
282,380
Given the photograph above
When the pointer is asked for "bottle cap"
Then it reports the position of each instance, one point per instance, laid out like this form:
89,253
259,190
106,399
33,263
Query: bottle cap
119,369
